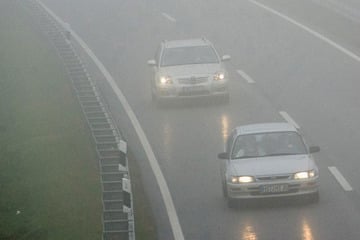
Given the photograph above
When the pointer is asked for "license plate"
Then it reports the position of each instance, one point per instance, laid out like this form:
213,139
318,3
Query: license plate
275,188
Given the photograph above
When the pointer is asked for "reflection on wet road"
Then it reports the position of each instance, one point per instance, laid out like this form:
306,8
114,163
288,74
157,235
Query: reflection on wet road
306,231
248,232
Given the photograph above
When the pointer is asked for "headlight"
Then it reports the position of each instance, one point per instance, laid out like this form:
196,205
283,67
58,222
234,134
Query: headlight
305,175
242,179
219,76
165,80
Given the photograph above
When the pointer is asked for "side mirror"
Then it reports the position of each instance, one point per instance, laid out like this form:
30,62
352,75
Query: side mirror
151,62
225,58
223,155
314,149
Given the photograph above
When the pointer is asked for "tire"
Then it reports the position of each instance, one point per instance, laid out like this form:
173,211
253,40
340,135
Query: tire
231,203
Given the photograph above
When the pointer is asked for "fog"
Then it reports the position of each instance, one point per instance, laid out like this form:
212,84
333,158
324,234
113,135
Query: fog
293,71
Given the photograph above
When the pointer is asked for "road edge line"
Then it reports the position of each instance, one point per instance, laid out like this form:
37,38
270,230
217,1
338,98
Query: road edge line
164,189
309,30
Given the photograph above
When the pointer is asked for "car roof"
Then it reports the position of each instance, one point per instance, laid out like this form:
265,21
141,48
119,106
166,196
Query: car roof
186,43
265,128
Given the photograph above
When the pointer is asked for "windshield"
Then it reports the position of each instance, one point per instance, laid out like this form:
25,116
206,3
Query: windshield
268,144
188,55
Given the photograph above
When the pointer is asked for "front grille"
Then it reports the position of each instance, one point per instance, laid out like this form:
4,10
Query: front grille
272,177
192,80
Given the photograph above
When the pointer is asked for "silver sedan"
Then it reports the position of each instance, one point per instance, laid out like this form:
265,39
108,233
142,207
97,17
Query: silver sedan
266,161
188,68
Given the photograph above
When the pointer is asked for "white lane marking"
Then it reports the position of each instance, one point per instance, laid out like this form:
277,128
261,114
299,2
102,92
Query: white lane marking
309,30
245,76
165,193
168,17
341,8
289,119
340,178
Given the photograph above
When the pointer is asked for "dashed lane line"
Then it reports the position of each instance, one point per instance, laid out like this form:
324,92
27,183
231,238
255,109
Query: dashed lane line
245,76
336,173
289,119
340,178
168,17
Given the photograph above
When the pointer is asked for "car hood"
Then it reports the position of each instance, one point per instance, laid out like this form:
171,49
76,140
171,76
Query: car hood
272,165
191,70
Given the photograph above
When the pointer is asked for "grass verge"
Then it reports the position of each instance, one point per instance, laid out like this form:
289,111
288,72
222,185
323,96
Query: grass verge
49,178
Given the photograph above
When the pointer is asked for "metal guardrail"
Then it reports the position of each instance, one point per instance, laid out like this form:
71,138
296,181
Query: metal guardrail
117,217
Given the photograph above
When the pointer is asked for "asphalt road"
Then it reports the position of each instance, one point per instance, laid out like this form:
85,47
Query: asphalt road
294,72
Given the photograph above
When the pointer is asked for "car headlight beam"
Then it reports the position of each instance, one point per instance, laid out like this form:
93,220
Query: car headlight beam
242,179
219,76
165,80
305,174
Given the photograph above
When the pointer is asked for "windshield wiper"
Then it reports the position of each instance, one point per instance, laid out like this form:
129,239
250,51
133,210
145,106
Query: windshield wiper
281,154
246,157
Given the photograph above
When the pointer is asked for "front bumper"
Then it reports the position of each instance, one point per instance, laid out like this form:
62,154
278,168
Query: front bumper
192,91
254,190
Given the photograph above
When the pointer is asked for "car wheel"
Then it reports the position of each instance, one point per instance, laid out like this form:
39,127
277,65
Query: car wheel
231,203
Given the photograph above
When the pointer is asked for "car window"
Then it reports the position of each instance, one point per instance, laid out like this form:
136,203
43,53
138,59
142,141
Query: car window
230,141
268,144
245,146
188,55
